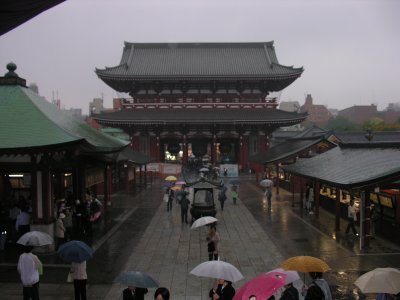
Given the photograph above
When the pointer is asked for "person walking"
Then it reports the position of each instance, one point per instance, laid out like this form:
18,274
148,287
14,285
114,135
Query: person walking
227,291
213,243
352,216
79,275
29,266
290,293
134,293
184,202
268,194
234,194
170,193
59,230
318,289
22,224
222,197
68,225
161,293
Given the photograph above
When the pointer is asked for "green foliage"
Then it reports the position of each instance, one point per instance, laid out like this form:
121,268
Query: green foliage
342,124
374,124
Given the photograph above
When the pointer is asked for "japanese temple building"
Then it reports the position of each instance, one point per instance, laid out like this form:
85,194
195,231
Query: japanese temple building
207,101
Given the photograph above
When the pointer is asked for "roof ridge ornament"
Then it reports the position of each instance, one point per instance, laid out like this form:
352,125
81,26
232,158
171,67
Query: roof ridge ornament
11,67
12,78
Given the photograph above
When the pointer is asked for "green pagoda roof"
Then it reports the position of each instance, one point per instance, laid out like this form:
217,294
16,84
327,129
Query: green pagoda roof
28,122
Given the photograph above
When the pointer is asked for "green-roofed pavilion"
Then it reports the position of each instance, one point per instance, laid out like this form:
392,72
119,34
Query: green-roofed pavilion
47,149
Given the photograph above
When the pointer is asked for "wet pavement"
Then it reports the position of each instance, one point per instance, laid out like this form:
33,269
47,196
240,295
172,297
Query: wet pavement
137,233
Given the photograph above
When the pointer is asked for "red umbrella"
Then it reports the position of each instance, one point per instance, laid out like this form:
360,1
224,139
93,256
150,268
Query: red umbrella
262,286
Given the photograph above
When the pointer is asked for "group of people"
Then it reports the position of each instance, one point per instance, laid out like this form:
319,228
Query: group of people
137,293
181,198
317,290
75,218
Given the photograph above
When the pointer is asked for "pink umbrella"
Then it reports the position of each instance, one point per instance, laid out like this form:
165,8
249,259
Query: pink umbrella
180,182
262,286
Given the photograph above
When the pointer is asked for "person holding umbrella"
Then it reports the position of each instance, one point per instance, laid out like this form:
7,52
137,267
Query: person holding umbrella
29,267
77,253
319,288
161,293
134,293
79,275
290,292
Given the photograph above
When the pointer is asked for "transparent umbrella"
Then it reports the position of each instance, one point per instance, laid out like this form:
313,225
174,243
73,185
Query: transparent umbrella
35,238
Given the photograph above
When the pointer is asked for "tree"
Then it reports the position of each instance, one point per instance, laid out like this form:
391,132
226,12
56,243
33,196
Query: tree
340,123
374,124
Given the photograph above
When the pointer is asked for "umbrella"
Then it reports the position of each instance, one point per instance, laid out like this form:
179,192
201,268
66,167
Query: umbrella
136,279
75,251
262,286
380,280
266,183
35,238
203,221
171,178
291,276
204,170
180,182
305,264
217,269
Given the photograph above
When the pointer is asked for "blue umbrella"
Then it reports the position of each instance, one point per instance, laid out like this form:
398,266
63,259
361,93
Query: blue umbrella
75,251
136,279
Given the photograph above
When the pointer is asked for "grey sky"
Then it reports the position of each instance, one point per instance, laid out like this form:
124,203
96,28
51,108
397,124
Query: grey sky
349,49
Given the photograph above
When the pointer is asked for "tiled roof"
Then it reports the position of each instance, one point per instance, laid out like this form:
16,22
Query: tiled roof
360,137
285,150
351,166
199,60
189,115
133,156
29,121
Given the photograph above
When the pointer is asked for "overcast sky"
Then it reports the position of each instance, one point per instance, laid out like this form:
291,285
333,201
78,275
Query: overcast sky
350,50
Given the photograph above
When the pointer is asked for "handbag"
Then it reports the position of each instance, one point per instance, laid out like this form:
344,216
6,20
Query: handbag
165,198
69,278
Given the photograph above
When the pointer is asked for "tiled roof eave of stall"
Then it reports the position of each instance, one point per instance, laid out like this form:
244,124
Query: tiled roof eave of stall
287,150
350,167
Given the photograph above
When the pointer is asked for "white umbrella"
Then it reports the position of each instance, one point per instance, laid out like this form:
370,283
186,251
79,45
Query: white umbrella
204,170
380,280
217,269
203,221
266,183
35,238
291,276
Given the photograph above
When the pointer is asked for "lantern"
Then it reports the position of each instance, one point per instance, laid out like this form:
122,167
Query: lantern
174,149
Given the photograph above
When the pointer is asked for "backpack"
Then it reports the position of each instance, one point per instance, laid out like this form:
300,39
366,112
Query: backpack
314,292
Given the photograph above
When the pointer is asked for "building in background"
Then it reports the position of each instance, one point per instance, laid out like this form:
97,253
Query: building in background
359,114
317,114
199,101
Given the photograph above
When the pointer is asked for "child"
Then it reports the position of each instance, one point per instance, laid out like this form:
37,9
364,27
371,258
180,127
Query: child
234,194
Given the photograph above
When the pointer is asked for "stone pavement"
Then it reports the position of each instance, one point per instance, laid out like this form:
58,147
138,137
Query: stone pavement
145,237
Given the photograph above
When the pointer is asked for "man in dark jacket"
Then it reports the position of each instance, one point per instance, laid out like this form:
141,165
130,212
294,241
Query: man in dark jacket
184,207
290,293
